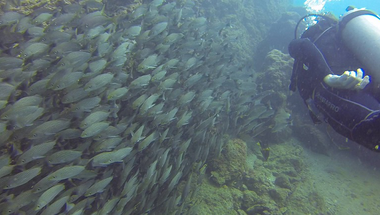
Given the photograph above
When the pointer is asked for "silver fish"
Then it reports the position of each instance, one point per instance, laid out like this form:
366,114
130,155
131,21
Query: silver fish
107,158
94,19
108,144
165,175
55,207
23,199
174,181
38,87
98,187
6,170
148,103
139,101
136,136
167,84
133,31
148,63
68,134
35,50
65,173
43,17
22,177
147,141
157,29
155,110
190,63
86,105
75,59
35,152
98,82
6,90
109,205
68,80
24,24
198,22
48,196
28,101
10,62
172,38
172,63
97,116
184,120
159,76
97,66
63,156
94,129
74,95
192,80
186,98
65,48
117,94
48,128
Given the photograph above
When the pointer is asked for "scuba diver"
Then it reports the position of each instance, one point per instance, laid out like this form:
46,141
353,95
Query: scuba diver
336,73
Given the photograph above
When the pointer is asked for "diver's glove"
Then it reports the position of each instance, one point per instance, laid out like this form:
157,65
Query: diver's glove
349,80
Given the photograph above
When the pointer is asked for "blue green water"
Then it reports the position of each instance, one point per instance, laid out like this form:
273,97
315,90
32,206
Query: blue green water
338,7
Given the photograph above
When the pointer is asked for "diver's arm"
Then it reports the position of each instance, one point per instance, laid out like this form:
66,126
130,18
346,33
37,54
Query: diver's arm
305,51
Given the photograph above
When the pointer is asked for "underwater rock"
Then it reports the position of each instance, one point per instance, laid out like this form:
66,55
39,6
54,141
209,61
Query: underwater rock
283,182
279,195
216,200
275,75
312,137
231,164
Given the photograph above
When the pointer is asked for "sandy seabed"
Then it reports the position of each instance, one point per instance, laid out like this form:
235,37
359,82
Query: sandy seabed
348,185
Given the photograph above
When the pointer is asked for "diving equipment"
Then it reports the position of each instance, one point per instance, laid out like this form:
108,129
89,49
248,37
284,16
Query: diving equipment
360,31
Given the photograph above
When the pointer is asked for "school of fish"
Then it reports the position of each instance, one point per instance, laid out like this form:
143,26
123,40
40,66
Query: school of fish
107,114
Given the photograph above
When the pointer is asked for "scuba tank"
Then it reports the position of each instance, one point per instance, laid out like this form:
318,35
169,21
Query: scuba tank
359,30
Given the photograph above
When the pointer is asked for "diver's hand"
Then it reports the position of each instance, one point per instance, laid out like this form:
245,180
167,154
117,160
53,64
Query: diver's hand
349,80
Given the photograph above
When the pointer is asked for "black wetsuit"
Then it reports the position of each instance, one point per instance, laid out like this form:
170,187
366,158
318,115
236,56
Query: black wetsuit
354,114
